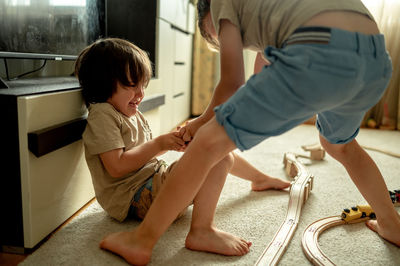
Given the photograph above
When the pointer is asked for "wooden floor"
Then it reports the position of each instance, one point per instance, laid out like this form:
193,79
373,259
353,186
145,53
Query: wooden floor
9,259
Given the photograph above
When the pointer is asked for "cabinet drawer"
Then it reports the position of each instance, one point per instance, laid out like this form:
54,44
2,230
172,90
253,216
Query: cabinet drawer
175,12
181,107
167,10
55,185
45,110
181,14
191,19
181,79
183,47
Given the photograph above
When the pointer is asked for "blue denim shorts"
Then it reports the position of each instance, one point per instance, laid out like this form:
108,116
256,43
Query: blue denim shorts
339,81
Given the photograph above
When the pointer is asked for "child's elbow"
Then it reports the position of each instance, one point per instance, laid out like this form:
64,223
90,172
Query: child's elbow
115,172
112,166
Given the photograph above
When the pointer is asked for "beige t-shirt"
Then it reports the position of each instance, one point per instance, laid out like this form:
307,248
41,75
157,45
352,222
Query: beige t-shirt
107,129
265,23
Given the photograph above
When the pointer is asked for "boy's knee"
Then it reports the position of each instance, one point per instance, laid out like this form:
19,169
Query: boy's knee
228,161
337,151
206,138
211,136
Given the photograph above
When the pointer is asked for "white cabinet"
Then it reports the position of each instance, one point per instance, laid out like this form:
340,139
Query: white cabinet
191,19
165,57
179,13
182,76
175,42
46,179
167,10
56,185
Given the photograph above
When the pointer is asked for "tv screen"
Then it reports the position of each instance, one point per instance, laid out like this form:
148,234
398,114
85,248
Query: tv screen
49,29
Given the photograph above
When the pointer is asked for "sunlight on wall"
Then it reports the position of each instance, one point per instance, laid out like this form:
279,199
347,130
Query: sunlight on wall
51,2
384,11
68,2
387,16
374,7
19,2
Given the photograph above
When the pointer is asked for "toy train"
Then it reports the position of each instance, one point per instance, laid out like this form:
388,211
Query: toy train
365,211
395,197
358,212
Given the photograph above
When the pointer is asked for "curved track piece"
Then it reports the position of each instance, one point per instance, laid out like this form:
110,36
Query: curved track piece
299,191
309,241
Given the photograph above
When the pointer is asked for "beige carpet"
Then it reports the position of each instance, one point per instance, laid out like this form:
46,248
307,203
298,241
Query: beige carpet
253,215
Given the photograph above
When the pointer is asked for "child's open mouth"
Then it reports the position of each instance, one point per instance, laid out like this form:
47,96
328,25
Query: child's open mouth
134,104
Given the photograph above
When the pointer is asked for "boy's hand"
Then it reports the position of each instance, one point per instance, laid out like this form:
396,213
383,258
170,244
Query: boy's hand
187,132
171,141
181,132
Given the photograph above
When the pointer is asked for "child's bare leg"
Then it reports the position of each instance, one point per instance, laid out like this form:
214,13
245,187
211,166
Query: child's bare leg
182,185
203,235
259,181
368,179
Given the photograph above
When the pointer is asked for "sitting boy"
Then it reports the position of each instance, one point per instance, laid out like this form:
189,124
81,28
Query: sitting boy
121,153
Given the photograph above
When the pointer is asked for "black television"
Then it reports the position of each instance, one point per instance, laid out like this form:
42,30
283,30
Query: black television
49,29
60,29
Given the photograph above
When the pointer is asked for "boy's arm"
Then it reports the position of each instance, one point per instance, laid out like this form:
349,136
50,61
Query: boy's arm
232,69
119,162
232,72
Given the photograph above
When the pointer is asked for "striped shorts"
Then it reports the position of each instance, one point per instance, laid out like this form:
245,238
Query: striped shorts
146,194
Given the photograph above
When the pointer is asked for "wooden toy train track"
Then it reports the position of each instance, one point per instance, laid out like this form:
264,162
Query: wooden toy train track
355,214
310,239
299,192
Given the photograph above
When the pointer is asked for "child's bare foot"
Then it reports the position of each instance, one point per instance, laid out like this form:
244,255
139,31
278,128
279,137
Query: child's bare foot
390,234
269,183
216,241
124,244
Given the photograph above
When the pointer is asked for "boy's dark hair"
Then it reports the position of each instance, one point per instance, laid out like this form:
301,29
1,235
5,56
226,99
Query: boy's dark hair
105,62
203,8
